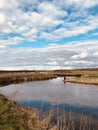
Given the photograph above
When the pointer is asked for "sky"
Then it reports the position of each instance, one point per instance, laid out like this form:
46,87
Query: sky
48,34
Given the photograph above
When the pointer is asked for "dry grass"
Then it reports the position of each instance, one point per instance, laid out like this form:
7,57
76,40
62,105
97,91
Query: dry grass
62,120
8,77
83,80
18,77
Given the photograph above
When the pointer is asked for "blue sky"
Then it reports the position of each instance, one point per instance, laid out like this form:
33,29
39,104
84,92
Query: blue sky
48,34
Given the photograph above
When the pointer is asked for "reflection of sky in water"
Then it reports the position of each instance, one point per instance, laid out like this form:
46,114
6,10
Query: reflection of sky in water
54,91
45,106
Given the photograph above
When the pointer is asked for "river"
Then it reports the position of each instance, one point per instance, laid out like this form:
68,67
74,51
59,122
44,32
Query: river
78,98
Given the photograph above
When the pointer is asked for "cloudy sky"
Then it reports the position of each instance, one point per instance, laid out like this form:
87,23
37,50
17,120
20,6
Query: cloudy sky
48,34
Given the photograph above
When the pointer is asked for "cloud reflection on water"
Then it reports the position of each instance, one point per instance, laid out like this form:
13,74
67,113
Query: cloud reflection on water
53,91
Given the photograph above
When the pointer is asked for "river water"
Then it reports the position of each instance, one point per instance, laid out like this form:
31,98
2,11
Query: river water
78,98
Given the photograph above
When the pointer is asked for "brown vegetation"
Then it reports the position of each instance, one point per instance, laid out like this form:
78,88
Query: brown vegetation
13,117
88,71
83,80
18,77
88,76
84,76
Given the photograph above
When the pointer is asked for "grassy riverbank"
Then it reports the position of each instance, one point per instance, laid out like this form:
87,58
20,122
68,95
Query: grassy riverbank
18,77
13,117
83,80
88,76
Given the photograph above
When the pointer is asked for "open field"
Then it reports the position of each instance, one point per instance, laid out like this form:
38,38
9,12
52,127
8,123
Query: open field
88,71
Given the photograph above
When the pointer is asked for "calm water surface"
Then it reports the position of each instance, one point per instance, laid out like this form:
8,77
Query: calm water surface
46,94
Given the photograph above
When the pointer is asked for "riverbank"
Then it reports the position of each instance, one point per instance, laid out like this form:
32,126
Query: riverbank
7,78
86,76
14,117
83,80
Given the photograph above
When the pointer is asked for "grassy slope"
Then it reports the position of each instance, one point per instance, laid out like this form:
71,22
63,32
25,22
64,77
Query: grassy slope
13,117
10,116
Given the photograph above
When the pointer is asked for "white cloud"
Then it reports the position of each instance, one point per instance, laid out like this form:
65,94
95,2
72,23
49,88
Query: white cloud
11,41
2,46
51,10
35,20
2,18
51,57
81,55
78,3
88,4
52,63
31,35
51,20
95,54
72,29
